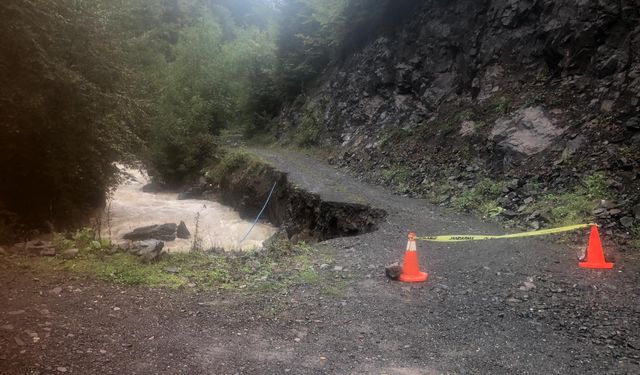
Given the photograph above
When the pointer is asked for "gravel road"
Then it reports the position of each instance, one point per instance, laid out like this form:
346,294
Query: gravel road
498,307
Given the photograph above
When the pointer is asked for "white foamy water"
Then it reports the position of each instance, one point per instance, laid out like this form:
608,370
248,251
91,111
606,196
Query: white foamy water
218,225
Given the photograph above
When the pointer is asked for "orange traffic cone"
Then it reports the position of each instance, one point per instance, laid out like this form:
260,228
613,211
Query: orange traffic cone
595,255
410,268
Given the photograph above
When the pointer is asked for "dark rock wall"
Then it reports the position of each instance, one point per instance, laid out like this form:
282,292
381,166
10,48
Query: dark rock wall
476,50
503,87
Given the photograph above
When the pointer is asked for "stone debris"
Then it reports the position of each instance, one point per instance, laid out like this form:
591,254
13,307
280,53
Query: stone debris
70,253
148,250
393,271
162,232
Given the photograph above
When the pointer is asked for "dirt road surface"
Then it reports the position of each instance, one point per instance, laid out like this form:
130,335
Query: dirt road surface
498,307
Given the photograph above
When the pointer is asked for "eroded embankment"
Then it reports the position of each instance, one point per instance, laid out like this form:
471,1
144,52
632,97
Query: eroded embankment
244,182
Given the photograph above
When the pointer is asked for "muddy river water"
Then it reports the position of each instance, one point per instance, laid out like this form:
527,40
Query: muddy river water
217,225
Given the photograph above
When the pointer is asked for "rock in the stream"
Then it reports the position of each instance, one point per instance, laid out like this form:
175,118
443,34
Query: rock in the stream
152,188
182,231
193,192
148,250
3,251
164,232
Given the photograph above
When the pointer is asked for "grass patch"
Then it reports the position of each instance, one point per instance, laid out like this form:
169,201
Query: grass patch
502,106
569,208
270,269
397,176
481,198
576,206
394,135
490,209
336,289
120,268
308,133
83,239
308,276
231,162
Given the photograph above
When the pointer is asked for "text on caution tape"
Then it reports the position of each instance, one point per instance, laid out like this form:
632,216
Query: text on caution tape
464,237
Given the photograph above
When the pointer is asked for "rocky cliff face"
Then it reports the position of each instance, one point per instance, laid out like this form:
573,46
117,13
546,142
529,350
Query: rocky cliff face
519,90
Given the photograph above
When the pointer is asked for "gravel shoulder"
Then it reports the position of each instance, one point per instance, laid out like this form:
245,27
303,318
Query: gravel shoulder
499,307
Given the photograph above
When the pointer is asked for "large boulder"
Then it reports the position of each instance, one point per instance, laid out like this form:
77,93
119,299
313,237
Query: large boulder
528,132
148,250
164,232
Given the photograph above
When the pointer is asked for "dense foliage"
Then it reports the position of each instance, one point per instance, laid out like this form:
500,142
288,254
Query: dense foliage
86,83
202,60
68,108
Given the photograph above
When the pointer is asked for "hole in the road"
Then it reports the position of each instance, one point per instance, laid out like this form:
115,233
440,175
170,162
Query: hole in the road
300,215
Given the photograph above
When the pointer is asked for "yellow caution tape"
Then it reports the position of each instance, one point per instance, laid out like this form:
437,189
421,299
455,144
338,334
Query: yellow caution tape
471,237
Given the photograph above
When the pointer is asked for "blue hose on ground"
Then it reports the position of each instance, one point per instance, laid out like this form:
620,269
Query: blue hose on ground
260,213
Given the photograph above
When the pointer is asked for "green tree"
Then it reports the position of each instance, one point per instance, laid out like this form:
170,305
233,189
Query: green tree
69,108
206,83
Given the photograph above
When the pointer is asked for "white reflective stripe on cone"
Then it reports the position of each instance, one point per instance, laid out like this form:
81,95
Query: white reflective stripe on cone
411,246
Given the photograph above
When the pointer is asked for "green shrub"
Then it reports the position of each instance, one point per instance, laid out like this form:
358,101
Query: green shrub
480,198
84,239
307,134
502,106
595,186
570,208
62,243
397,176
576,206
229,163
490,209
175,158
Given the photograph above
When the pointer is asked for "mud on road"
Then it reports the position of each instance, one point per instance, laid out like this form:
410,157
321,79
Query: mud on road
499,307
